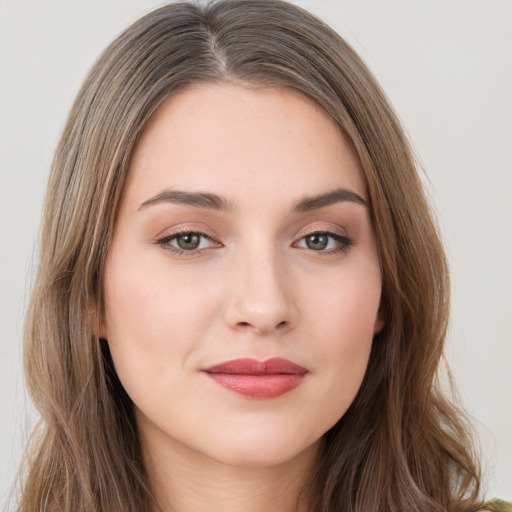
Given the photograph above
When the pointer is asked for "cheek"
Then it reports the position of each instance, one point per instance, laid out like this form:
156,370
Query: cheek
150,303
154,321
346,306
344,326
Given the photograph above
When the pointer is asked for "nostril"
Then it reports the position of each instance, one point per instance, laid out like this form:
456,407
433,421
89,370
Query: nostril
280,325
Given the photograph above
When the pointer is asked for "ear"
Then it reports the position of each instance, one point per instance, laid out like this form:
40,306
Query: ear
95,319
379,322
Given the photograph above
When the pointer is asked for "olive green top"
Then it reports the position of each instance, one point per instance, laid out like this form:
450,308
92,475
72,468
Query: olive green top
498,506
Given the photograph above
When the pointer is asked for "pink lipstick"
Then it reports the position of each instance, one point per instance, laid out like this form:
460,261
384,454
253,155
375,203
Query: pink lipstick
258,379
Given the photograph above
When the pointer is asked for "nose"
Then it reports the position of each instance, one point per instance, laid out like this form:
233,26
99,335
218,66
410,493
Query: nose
261,297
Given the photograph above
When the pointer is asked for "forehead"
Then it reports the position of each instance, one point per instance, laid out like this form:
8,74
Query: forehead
229,139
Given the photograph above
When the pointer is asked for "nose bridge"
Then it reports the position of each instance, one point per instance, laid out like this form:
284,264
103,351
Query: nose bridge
261,298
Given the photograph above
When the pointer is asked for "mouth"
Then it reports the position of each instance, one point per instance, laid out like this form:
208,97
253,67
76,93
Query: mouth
257,379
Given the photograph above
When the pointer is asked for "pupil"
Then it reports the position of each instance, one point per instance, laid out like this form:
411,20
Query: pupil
316,242
188,241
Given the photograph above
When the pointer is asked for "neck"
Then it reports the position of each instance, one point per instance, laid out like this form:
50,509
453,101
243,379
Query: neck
186,481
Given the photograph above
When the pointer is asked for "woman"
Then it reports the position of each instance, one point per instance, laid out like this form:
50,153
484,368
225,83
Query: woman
241,298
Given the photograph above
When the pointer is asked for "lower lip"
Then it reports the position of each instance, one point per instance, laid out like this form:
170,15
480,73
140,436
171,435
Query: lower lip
258,386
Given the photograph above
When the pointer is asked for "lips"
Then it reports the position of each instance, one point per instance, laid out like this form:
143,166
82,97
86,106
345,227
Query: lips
258,379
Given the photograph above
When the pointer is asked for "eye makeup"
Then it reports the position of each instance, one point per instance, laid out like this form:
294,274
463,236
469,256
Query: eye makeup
325,241
187,242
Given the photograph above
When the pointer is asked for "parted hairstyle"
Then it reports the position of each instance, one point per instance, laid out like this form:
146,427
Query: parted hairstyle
402,445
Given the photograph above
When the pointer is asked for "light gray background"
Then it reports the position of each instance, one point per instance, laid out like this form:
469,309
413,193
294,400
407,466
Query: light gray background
447,67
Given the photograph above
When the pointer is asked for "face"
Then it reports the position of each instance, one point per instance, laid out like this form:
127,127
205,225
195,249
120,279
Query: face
242,285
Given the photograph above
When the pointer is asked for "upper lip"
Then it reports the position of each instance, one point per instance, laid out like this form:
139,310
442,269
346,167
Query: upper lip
248,366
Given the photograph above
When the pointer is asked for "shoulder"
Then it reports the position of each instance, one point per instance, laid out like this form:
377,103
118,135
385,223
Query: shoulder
497,506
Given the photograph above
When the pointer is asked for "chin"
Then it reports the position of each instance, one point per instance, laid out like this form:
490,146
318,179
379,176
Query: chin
257,450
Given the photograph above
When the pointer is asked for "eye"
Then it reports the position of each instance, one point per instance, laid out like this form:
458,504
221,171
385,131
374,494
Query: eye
186,242
325,241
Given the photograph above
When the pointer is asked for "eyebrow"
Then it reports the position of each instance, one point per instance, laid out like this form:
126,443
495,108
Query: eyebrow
216,202
338,195
198,199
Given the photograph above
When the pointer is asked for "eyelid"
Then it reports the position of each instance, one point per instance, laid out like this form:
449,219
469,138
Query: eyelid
327,228
198,228
343,240
339,235
167,236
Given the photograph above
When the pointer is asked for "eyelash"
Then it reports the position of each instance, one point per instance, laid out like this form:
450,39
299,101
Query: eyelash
164,242
344,242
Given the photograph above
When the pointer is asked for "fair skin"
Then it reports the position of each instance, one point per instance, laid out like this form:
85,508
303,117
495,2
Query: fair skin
275,268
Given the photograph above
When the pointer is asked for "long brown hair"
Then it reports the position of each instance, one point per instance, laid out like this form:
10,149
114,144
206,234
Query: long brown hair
401,445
